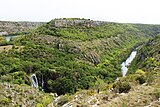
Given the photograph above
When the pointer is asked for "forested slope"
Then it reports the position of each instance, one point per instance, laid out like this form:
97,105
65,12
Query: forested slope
139,88
73,57
148,57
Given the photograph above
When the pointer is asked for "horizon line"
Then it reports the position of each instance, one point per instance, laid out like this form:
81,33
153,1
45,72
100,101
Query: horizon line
77,18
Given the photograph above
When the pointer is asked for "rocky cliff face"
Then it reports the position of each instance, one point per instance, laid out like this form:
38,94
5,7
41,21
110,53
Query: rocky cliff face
7,27
75,22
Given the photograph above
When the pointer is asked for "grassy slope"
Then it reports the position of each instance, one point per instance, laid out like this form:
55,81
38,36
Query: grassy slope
14,95
138,96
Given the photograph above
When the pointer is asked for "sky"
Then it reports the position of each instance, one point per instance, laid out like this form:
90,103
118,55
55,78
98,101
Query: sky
123,11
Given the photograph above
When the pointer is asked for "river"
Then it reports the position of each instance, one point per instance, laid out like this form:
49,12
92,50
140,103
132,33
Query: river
8,37
125,64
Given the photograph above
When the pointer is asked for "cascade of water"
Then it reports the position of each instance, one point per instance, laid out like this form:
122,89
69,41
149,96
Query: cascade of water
34,81
124,69
42,84
125,64
131,57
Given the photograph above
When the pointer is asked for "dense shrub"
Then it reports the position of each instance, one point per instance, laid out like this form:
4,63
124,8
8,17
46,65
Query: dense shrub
140,76
121,86
39,105
5,101
141,79
46,100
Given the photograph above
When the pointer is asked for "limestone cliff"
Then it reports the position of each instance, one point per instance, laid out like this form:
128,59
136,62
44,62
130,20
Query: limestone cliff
76,21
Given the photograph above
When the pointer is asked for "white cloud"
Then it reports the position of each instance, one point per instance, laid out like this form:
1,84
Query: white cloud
134,11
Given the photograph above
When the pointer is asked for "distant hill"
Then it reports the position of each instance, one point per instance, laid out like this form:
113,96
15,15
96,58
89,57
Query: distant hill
9,27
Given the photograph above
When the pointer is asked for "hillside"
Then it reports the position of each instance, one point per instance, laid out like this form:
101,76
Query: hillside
13,95
143,85
68,55
148,58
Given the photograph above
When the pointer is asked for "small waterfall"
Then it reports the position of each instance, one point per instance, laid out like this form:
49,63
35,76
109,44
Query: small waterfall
42,83
125,64
34,81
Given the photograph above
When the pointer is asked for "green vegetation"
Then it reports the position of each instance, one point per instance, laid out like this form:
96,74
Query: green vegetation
2,41
151,30
86,33
148,57
81,62
139,89
122,86
71,58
